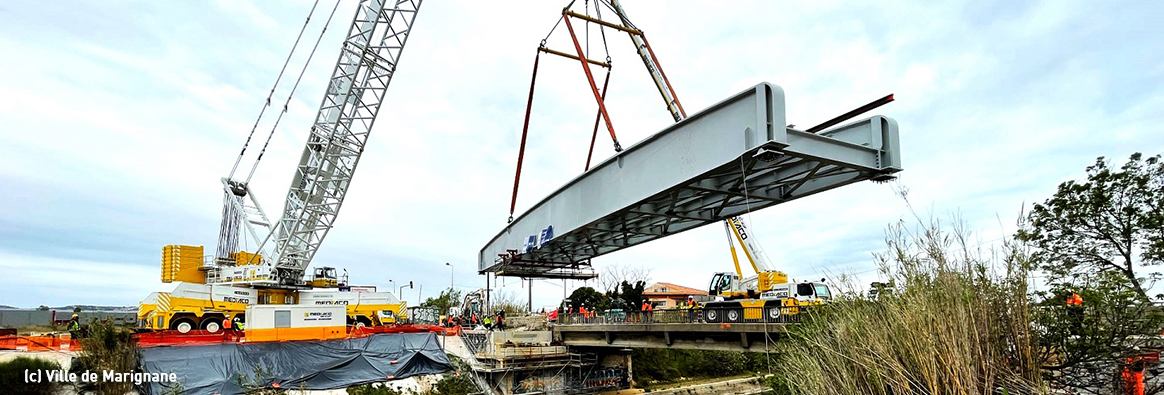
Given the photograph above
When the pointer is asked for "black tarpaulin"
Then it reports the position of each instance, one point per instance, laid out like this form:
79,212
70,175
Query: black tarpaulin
227,368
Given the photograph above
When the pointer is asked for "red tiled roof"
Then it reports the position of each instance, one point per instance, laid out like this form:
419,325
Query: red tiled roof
668,289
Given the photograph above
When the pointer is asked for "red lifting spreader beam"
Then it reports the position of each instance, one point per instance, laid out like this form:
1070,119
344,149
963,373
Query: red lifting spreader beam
593,85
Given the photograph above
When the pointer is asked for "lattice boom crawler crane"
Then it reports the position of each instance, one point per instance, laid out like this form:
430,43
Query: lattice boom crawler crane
216,288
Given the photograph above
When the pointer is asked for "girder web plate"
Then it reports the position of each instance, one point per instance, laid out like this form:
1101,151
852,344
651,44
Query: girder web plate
730,158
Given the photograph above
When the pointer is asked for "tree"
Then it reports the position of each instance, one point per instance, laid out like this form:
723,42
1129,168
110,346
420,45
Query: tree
626,296
1081,349
508,302
612,277
1111,223
447,299
1102,239
586,296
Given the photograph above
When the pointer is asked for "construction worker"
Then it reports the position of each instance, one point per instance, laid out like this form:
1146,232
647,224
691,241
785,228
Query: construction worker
585,313
238,324
74,326
1074,299
689,305
647,309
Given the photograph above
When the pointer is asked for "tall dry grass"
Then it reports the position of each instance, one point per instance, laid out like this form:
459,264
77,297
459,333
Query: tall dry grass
956,322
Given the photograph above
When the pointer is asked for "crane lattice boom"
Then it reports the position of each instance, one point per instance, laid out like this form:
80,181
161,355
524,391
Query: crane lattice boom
358,84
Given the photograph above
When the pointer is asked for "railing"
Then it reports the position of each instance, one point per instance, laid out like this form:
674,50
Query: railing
779,315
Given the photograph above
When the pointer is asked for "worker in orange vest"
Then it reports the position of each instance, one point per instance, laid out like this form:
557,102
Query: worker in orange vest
647,308
1074,299
1075,312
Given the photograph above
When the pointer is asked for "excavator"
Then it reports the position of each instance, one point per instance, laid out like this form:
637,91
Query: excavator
473,305
215,290
768,295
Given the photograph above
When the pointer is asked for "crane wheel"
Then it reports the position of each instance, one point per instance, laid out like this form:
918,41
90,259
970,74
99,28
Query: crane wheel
734,315
212,325
773,314
710,315
183,325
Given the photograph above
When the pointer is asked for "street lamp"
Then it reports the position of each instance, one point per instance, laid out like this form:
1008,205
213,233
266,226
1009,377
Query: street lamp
391,284
450,276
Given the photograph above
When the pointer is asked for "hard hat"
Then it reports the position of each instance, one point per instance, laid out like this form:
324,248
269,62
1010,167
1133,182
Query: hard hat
74,316
690,297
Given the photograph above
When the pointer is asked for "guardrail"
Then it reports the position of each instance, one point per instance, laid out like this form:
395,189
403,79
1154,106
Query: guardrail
716,315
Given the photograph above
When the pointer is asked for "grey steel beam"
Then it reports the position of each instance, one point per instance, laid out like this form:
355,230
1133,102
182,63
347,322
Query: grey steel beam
730,158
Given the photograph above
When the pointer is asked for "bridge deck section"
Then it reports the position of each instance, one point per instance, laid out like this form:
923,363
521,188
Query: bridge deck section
726,160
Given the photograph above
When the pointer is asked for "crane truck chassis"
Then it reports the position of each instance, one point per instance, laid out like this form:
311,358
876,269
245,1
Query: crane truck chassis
208,306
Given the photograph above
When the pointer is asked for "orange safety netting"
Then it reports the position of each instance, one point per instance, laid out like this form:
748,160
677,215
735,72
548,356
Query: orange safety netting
38,343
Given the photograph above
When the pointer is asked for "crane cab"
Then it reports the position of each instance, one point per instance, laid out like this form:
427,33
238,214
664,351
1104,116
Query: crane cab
805,293
726,285
325,277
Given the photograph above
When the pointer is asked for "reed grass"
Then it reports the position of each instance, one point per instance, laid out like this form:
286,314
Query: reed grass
957,321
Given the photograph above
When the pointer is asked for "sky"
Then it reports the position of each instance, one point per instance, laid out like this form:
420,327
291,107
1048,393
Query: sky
117,120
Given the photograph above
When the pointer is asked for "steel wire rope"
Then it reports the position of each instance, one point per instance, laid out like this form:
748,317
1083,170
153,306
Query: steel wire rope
293,89
748,202
748,205
272,92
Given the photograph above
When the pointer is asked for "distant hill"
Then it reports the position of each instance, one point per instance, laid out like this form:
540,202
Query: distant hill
83,308
95,308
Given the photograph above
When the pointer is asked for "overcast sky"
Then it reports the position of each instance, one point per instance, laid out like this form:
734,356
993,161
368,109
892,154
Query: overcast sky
117,120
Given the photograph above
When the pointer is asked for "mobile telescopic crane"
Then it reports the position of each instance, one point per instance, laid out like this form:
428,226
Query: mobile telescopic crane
768,292
219,287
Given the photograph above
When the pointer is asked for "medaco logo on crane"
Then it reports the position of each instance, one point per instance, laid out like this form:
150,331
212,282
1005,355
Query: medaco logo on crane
740,228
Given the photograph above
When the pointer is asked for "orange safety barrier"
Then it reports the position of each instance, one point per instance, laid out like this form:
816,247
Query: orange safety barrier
452,331
193,338
38,343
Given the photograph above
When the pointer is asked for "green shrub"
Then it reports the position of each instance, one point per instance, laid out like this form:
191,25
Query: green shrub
672,365
106,347
12,376
374,389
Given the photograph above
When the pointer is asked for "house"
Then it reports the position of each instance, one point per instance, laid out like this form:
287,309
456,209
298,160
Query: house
668,296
